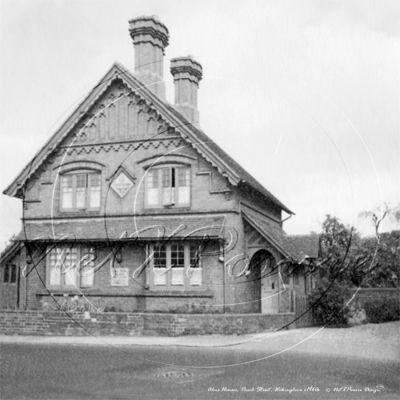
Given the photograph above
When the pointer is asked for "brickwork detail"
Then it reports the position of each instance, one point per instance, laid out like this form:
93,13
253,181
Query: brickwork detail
137,324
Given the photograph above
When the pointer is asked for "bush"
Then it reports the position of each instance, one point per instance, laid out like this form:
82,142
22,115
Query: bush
328,302
382,310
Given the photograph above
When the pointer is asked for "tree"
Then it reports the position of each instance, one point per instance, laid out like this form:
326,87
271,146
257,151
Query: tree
386,260
350,260
341,248
385,248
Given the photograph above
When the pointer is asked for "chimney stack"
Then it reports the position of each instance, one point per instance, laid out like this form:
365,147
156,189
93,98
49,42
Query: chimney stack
187,74
150,38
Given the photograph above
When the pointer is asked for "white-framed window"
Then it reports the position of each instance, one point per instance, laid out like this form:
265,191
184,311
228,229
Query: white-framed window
80,191
175,266
168,186
70,266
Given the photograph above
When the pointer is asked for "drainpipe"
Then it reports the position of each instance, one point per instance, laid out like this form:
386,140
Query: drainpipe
290,216
224,276
18,284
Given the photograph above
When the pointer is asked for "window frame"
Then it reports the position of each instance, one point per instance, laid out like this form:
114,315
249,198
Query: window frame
168,179
81,251
11,271
187,284
88,192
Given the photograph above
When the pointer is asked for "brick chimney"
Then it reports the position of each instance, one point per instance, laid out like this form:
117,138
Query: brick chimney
187,74
150,38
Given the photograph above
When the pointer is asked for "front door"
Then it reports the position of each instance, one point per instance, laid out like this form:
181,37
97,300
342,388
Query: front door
269,289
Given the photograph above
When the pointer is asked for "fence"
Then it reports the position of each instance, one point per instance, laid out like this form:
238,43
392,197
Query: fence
303,312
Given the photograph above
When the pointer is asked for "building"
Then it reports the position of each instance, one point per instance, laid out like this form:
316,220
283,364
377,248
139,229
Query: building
133,207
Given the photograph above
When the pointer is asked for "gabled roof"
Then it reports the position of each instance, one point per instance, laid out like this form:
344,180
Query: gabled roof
10,251
199,140
272,232
308,245
297,247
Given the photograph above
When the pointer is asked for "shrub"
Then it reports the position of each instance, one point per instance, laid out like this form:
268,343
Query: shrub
382,310
355,314
328,302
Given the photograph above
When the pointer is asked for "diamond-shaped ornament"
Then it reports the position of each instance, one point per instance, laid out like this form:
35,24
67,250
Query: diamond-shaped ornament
121,185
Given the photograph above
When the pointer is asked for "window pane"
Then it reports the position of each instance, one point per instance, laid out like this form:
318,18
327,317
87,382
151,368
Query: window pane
183,176
152,187
159,276
94,181
196,276
160,257
70,263
13,277
184,186
166,177
152,178
152,197
55,266
167,191
194,256
177,264
160,264
66,191
195,270
81,190
177,255
177,276
6,276
86,269
167,194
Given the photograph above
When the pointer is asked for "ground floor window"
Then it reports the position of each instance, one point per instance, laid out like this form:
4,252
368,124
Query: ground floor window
175,266
70,266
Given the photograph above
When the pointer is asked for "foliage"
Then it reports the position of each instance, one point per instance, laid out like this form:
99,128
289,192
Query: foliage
365,262
382,310
348,260
341,248
328,302
386,260
71,304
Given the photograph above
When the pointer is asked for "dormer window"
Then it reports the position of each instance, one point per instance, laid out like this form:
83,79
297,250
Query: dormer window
80,191
168,186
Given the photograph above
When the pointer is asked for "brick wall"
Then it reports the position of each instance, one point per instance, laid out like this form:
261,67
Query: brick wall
57,323
371,294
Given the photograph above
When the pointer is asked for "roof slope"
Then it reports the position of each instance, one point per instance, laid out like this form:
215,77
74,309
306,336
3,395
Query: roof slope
297,247
228,167
272,232
308,245
10,251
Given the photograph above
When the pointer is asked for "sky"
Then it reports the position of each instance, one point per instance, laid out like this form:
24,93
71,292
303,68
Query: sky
304,94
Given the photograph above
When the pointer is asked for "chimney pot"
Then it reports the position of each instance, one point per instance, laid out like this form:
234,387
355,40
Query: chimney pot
187,74
150,38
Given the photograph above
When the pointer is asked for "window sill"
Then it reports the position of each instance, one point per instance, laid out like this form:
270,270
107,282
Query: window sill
157,210
65,290
175,293
73,213
148,293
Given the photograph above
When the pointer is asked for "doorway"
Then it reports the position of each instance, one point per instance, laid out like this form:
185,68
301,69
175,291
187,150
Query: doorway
264,263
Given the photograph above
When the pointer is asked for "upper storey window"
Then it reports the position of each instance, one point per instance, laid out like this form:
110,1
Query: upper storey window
80,191
168,186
